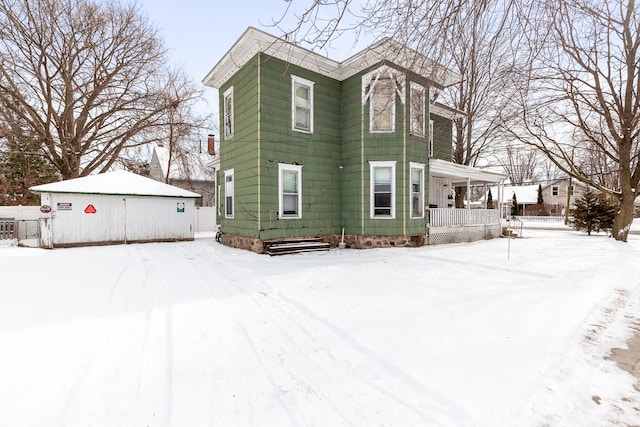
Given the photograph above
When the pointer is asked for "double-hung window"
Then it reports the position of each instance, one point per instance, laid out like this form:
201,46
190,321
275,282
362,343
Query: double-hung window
430,138
382,109
555,190
228,113
302,104
417,105
417,189
228,193
383,183
290,190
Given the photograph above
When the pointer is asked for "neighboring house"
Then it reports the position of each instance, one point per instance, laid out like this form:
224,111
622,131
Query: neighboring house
192,171
554,196
316,147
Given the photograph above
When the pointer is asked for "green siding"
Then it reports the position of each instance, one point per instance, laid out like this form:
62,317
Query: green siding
442,138
239,152
318,153
335,157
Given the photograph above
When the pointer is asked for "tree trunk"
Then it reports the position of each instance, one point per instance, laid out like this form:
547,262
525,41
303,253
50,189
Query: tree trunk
461,195
624,217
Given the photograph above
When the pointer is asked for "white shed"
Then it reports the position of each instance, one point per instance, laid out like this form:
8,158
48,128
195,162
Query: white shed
114,207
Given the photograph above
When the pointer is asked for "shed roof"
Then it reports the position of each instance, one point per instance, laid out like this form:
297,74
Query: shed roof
460,173
115,183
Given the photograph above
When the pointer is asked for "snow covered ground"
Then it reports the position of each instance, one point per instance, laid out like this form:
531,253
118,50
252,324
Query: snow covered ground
493,333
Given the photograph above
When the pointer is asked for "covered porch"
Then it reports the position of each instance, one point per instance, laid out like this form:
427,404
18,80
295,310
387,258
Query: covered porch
450,225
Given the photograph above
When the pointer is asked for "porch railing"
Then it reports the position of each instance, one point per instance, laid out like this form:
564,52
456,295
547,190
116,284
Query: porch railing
443,217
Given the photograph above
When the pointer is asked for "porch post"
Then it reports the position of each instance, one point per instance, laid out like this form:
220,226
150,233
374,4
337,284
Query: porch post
468,193
484,191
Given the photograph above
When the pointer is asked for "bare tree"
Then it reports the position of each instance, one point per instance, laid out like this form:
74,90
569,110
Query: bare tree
478,40
520,163
182,125
580,103
482,50
87,78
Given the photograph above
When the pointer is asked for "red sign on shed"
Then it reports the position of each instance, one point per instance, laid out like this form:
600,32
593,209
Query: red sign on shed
90,209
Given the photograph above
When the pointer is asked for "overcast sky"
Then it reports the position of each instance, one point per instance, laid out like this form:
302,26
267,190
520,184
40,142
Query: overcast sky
198,33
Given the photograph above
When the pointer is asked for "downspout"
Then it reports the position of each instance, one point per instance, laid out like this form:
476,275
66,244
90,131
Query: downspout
362,169
259,146
404,165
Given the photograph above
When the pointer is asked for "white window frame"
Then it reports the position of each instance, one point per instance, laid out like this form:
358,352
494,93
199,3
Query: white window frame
227,118
286,167
421,167
416,127
555,190
299,81
372,166
431,124
229,185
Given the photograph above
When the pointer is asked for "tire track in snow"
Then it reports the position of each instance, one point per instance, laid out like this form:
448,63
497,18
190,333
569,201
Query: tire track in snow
71,369
304,359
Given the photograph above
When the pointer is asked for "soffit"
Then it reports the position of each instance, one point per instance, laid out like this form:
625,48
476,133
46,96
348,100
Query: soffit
254,41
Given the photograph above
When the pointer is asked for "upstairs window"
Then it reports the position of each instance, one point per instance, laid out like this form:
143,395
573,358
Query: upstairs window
228,113
555,190
382,88
417,107
383,183
302,104
383,107
290,190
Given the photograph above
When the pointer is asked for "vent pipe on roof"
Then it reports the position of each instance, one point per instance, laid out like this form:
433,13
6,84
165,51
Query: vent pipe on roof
211,144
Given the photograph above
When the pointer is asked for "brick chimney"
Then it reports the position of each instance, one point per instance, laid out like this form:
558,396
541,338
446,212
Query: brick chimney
211,144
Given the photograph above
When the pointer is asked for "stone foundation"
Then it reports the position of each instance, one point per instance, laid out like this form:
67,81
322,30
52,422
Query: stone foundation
370,242
351,241
242,242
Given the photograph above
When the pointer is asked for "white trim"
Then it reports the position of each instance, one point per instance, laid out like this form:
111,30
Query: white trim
413,86
302,82
253,41
295,168
373,164
228,94
421,167
231,173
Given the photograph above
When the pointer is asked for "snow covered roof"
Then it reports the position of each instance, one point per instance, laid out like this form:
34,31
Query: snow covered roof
116,183
527,194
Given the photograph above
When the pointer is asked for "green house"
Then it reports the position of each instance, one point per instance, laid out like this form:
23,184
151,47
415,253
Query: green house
357,151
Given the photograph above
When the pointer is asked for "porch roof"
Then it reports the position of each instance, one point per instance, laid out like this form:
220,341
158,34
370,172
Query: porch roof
459,174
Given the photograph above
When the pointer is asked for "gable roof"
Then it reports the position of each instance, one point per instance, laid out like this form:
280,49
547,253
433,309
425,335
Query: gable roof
195,167
253,41
115,183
